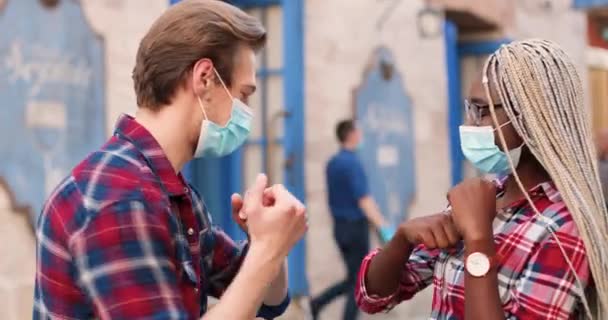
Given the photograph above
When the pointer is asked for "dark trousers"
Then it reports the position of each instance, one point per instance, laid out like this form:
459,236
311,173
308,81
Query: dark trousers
352,238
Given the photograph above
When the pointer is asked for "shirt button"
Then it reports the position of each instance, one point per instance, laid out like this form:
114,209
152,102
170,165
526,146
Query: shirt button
196,290
190,231
186,190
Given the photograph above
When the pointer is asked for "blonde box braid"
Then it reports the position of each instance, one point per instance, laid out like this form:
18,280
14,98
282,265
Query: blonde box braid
542,94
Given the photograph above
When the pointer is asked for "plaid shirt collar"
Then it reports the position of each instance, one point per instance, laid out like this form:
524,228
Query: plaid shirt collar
129,129
545,189
548,190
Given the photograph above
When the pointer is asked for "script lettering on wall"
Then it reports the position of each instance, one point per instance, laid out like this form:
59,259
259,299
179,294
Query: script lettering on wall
384,113
53,96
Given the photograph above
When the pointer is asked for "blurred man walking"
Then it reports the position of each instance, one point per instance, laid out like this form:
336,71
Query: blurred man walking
352,209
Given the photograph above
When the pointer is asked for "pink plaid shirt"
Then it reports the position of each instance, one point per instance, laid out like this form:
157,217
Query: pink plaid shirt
534,279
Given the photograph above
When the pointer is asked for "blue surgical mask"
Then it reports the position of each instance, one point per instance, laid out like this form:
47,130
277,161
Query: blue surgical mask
478,147
217,141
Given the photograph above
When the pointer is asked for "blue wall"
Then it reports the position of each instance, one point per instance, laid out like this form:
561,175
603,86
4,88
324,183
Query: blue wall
384,114
590,3
454,99
293,59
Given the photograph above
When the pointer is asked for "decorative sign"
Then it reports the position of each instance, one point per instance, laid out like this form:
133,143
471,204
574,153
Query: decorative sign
590,3
384,113
52,93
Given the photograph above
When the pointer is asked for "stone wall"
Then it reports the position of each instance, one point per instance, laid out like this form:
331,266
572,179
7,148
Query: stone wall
18,262
122,24
565,26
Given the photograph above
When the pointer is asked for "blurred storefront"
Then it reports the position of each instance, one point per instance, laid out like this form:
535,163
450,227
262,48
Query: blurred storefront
597,58
401,67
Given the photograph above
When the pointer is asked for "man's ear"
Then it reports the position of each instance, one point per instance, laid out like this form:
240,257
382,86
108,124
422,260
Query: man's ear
202,75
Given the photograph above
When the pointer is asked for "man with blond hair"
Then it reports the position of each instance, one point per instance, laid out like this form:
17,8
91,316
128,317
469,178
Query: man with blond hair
124,236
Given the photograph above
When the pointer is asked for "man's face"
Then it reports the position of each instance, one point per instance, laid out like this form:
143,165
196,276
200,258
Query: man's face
481,109
242,87
355,136
216,101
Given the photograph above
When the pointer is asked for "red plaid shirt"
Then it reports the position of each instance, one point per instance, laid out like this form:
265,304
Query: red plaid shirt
534,279
124,237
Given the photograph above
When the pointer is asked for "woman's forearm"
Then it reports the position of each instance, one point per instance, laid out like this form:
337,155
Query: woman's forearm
482,300
385,270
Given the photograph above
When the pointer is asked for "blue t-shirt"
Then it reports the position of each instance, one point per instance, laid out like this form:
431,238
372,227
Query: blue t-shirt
346,185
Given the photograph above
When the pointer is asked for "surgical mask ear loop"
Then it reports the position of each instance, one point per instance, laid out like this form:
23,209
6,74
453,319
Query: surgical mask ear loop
223,83
200,103
537,213
502,125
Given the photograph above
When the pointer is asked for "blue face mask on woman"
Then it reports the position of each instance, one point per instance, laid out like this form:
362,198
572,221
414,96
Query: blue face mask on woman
477,144
217,141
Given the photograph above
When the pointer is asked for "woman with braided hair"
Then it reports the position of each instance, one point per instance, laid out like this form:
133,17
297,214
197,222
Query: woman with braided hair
532,244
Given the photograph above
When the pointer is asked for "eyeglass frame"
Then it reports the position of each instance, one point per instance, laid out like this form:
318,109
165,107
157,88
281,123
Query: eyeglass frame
472,110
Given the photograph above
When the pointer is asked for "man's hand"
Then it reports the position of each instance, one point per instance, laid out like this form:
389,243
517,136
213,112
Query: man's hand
237,215
435,231
387,232
275,219
237,205
474,208
274,223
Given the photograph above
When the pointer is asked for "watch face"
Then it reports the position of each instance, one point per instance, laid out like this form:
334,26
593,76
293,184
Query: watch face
478,264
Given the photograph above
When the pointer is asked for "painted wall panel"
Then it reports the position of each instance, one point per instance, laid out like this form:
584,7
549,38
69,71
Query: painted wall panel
52,91
384,113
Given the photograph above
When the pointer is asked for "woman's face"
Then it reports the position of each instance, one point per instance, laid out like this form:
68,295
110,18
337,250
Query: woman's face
478,114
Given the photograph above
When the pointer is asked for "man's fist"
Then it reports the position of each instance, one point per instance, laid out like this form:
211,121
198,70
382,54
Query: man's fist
274,218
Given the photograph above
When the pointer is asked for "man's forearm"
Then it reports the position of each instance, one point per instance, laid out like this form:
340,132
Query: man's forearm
386,268
278,289
247,291
371,211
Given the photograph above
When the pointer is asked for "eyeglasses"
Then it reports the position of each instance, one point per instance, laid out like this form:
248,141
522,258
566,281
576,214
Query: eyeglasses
476,111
